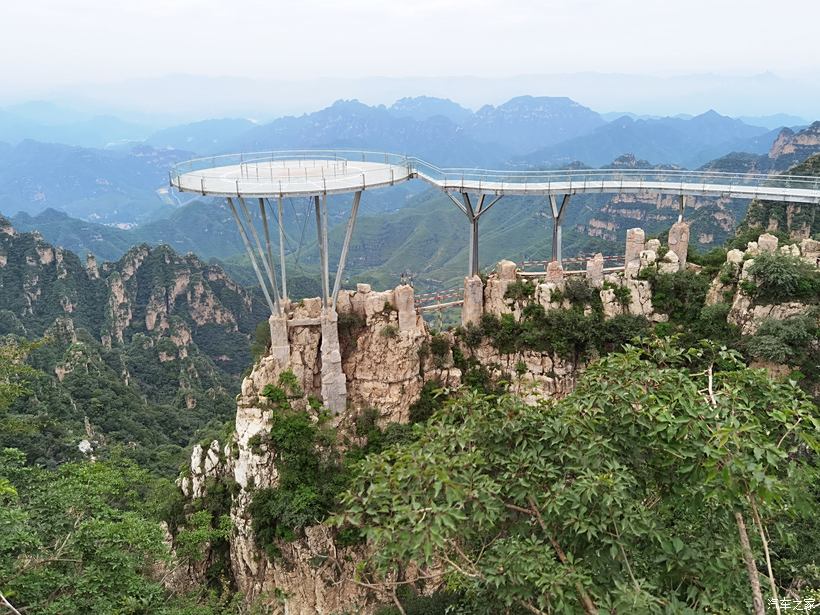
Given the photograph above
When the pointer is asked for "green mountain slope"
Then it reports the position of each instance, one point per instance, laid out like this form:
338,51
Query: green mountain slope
138,354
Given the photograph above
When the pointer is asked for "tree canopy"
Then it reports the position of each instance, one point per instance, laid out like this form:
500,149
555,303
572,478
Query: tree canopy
633,493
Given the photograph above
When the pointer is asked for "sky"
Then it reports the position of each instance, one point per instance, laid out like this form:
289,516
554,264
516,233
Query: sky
52,46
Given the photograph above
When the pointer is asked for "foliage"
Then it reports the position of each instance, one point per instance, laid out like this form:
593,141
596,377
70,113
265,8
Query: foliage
520,290
389,331
430,400
780,277
622,495
439,349
82,539
580,293
571,334
261,341
785,341
622,293
710,261
681,295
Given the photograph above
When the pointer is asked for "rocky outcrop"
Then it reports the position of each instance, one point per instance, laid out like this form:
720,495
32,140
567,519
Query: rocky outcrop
744,312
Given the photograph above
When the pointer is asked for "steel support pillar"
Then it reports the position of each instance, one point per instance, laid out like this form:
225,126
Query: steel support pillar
269,251
252,256
473,215
321,230
681,207
557,223
351,223
267,264
282,252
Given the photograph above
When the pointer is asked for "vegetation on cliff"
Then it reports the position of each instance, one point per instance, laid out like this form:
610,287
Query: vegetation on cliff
639,492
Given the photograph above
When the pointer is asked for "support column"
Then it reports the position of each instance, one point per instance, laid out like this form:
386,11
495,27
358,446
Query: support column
351,223
473,214
271,276
557,222
282,253
277,321
321,232
681,207
279,342
252,256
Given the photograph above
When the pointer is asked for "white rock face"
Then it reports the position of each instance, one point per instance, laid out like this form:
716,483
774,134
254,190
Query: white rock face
767,243
669,263
635,238
734,256
810,250
595,270
473,306
679,242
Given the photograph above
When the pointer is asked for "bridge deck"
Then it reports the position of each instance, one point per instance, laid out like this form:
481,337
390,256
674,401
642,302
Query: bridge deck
713,187
311,173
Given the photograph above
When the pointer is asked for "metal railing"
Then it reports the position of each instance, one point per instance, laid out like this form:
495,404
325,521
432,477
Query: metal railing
578,178
317,169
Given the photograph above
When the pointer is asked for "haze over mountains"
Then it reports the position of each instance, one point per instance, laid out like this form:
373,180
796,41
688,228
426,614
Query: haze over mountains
44,164
106,199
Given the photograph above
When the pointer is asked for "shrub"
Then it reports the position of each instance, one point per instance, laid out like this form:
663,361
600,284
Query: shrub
261,341
622,329
290,383
310,477
579,292
711,261
681,295
471,334
430,400
275,394
781,277
783,341
439,348
389,331
520,290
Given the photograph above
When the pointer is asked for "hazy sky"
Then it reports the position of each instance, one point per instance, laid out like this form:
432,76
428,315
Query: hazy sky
46,43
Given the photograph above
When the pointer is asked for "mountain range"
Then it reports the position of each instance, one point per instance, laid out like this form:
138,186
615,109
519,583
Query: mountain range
424,235
127,183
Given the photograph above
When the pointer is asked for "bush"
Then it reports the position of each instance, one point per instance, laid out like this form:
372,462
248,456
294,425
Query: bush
780,277
261,341
471,335
783,341
520,290
711,261
430,400
622,294
580,293
439,348
310,477
389,331
681,295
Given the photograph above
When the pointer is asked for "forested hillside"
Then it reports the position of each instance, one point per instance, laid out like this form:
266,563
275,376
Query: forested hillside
135,355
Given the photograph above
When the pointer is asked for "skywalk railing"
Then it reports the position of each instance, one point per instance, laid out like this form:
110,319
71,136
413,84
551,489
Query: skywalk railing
337,169
456,177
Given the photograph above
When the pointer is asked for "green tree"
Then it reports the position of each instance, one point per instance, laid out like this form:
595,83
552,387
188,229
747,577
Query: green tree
632,494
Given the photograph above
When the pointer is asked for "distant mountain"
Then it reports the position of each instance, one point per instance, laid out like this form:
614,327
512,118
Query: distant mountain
206,137
349,124
526,123
688,143
790,148
776,120
94,184
45,122
421,108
